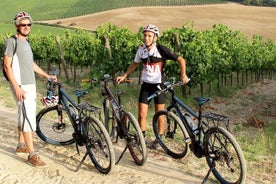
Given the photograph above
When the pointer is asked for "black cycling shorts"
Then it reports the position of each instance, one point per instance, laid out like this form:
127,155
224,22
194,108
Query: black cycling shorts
147,90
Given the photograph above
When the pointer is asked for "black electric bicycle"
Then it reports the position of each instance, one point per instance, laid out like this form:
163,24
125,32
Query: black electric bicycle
64,122
207,139
122,124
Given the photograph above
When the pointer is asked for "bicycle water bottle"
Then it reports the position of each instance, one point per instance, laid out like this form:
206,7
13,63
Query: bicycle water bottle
191,123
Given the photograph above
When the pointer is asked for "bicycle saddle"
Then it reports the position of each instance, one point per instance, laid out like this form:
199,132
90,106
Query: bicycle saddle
81,92
202,100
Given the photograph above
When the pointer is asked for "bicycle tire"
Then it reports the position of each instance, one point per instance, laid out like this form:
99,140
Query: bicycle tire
49,130
99,145
135,139
225,156
173,140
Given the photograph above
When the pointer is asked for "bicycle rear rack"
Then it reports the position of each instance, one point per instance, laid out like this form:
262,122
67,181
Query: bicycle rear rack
216,119
88,110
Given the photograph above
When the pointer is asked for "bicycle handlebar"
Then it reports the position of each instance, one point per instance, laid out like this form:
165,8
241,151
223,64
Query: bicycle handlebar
169,86
89,80
106,78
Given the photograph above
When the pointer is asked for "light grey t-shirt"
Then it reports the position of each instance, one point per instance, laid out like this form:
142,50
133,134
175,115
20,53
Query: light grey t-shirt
22,63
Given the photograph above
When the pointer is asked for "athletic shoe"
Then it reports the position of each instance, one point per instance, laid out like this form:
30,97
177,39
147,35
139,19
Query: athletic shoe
22,150
35,161
155,145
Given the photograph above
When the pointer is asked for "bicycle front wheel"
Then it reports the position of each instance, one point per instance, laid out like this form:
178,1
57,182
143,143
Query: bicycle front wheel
174,135
135,139
54,126
99,145
224,156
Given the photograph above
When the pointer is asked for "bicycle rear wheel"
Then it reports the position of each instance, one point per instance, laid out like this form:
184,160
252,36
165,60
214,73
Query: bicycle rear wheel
173,139
224,156
53,126
135,139
99,145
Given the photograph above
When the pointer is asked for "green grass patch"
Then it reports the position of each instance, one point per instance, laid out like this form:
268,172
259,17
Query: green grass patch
256,142
9,29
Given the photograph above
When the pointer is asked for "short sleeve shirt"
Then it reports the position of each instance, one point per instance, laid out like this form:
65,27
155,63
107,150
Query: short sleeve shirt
22,62
153,62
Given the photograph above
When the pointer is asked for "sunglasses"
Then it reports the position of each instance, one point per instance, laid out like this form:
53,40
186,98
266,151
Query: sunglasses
25,25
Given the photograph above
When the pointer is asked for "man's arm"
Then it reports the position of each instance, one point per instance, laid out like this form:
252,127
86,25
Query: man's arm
39,71
130,69
182,64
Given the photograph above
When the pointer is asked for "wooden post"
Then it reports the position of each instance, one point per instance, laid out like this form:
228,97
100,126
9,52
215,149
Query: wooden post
63,62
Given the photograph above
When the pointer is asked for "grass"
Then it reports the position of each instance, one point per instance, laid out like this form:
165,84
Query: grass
8,28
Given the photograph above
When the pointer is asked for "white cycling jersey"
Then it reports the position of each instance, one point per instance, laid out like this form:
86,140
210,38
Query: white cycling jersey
153,62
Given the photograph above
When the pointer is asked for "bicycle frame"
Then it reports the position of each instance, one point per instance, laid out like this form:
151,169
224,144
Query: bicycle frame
64,101
178,105
116,104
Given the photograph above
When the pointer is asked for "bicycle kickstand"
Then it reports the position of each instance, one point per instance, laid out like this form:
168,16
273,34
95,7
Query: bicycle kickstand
121,156
208,173
81,162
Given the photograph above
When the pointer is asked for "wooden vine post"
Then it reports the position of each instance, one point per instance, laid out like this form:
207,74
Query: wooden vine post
63,62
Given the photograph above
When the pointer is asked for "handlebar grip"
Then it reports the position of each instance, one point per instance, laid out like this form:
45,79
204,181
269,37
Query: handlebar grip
88,80
152,96
127,81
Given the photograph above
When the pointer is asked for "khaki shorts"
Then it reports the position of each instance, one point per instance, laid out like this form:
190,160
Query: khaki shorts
27,108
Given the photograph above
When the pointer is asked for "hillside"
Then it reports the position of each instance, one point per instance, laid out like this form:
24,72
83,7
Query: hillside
250,20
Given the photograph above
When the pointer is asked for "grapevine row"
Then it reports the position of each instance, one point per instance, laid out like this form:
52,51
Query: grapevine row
210,54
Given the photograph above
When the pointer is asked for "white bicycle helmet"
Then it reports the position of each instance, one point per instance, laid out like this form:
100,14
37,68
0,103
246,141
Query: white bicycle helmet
21,15
151,28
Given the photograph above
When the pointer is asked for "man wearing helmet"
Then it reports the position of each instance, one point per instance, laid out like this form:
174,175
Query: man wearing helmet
20,70
152,57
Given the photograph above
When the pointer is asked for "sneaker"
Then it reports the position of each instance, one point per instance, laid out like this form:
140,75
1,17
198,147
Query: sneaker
22,150
35,161
155,145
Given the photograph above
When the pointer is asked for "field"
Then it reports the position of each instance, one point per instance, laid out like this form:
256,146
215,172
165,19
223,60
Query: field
249,20
52,9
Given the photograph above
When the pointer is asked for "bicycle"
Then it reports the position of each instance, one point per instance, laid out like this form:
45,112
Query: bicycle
205,139
122,124
64,122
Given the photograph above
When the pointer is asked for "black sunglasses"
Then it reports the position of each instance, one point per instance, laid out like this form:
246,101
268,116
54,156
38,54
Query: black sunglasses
25,25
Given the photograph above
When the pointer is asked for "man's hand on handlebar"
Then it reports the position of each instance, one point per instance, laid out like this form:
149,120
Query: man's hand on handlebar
185,79
120,79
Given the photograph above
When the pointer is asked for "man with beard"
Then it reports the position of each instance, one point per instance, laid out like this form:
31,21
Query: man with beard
20,69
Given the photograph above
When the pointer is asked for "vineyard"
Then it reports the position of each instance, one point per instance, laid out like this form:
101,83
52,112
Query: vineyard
215,58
